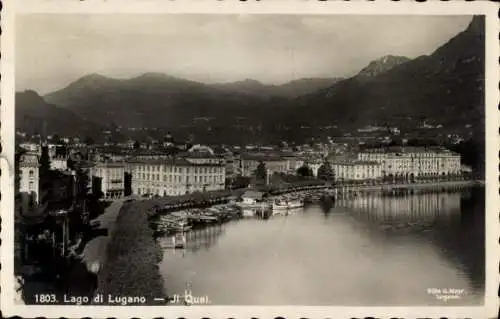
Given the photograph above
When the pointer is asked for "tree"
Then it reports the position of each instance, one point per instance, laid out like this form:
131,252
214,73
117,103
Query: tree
304,171
325,172
56,139
88,140
261,171
241,182
137,145
44,161
82,183
97,187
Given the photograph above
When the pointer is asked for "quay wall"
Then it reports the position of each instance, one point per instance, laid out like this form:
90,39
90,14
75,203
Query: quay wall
212,198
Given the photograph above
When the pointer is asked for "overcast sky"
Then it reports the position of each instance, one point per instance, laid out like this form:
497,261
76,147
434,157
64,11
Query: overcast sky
54,50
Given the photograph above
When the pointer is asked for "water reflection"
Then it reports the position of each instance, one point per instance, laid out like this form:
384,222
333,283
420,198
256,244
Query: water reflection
369,250
197,239
419,208
453,222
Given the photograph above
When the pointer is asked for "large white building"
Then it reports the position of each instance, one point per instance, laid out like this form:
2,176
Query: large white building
29,176
356,170
414,162
59,163
169,177
111,177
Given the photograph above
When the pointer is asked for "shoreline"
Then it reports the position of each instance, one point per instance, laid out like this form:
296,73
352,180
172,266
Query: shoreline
132,257
174,203
130,247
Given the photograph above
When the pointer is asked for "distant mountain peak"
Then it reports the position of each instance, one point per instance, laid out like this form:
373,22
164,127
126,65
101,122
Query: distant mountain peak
92,80
28,92
30,97
477,24
248,82
156,76
93,77
382,65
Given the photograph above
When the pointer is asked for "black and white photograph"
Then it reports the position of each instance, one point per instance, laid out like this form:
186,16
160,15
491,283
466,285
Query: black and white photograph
243,159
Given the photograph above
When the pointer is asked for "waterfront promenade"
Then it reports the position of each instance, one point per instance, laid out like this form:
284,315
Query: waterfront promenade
95,251
172,203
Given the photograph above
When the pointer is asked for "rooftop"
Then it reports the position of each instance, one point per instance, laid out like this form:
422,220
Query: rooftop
196,154
252,194
354,162
110,164
407,149
170,161
261,157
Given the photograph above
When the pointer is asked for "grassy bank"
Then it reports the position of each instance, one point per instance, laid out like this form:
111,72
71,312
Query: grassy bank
132,256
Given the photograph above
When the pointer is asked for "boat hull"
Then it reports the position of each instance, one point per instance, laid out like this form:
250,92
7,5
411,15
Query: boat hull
253,206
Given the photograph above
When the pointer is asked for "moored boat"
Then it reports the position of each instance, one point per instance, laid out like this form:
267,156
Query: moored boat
286,204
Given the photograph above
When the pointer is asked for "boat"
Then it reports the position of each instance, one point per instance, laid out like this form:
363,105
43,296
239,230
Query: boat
179,241
286,204
253,200
249,212
181,225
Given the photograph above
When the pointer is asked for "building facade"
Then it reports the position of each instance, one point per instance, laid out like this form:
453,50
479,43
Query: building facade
293,163
29,176
356,170
202,158
274,164
175,177
111,177
414,162
59,163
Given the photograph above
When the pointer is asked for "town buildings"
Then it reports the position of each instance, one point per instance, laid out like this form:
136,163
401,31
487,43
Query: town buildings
414,162
29,176
356,170
59,163
109,178
201,168
314,165
169,177
293,163
274,164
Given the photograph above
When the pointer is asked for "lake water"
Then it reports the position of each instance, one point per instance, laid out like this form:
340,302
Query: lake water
369,251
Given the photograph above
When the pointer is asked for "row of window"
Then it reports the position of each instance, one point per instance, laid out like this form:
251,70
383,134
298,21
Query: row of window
178,178
31,186
170,191
176,169
414,155
351,168
31,173
357,176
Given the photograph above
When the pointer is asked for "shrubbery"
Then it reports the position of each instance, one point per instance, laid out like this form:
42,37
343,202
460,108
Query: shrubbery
131,265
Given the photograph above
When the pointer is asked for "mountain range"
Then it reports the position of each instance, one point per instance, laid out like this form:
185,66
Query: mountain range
290,89
445,87
35,116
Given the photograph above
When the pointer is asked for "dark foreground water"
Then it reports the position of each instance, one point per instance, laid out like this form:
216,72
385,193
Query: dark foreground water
368,251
